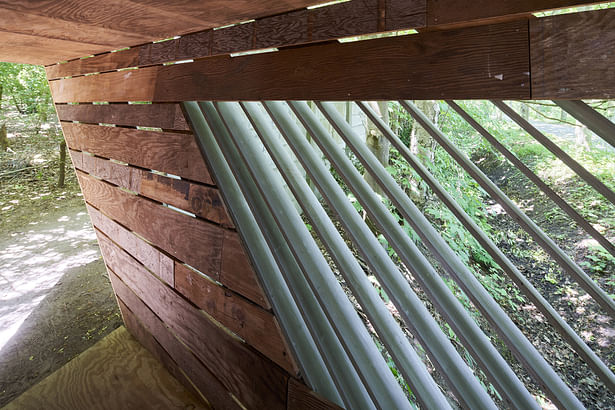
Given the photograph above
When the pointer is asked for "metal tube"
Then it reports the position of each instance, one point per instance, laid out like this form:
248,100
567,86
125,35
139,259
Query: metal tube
536,180
408,362
595,121
349,385
373,370
557,151
290,317
539,236
542,304
495,365
468,391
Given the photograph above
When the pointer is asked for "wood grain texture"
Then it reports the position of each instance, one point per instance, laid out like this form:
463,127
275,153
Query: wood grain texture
298,27
477,62
188,239
258,327
153,259
202,379
237,272
115,373
148,341
300,397
254,380
173,153
572,56
203,201
446,12
165,116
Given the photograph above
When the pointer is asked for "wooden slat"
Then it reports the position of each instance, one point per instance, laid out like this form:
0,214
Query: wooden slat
196,372
254,380
203,201
446,12
255,325
156,261
148,341
477,62
237,273
572,56
191,240
174,153
300,397
298,27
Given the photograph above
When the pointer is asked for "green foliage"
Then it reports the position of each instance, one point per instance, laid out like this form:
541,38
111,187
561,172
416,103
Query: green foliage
25,86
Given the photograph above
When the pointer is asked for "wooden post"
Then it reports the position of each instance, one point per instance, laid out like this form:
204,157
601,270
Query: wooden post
62,173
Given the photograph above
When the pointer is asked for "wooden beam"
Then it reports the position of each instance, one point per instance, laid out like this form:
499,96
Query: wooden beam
479,62
572,56
447,13
174,153
256,381
289,29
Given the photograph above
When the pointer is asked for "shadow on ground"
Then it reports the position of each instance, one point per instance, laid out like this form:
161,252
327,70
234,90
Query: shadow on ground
55,298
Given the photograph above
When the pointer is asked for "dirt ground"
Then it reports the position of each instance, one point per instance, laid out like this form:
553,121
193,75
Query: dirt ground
55,295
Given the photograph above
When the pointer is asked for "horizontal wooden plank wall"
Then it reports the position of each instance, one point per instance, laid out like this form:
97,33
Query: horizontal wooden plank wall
185,285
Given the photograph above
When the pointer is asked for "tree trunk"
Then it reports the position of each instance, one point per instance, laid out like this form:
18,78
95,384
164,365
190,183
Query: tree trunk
4,141
376,142
62,172
525,111
583,139
422,145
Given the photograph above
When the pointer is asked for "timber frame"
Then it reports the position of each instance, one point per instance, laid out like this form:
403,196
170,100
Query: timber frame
188,283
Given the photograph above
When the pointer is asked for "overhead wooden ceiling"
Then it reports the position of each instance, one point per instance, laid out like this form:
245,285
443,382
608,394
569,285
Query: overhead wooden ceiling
48,31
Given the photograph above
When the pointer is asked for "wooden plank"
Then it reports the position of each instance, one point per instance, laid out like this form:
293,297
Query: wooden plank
254,380
258,327
572,56
165,116
188,239
300,397
174,153
298,27
115,373
203,201
204,380
154,260
237,273
476,62
444,13
148,341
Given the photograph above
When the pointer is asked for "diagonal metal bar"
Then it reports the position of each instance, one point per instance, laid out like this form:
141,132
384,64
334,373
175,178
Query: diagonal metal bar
512,336
373,370
587,176
409,363
348,383
535,179
598,123
513,210
542,304
432,283
284,306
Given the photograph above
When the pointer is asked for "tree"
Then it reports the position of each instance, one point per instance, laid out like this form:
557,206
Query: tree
421,143
377,143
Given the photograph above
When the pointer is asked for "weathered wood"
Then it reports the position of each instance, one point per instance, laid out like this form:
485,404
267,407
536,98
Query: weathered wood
254,380
174,153
148,341
237,272
165,116
115,373
202,378
258,327
572,56
153,259
446,12
476,62
287,29
203,201
300,397
191,240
